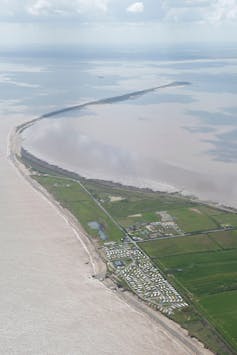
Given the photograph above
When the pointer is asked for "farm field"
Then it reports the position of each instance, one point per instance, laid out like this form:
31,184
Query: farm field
73,197
222,309
220,217
193,219
201,263
179,245
208,277
141,206
226,240
203,273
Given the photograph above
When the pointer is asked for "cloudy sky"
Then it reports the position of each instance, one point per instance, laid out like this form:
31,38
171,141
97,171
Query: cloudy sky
104,22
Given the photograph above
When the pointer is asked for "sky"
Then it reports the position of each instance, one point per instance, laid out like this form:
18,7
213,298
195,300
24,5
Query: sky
116,22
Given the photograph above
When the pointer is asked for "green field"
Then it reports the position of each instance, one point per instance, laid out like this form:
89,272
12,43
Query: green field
178,245
202,266
226,218
146,217
222,309
190,216
205,269
135,201
204,273
190,220
226,240
73,197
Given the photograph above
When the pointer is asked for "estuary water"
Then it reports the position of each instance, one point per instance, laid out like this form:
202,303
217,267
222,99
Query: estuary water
180,138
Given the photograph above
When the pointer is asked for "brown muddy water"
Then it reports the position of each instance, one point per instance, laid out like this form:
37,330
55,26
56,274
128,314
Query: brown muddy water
173,139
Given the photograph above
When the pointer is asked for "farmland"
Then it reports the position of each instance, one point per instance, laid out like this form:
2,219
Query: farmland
192,245
72,196
209,277
181,245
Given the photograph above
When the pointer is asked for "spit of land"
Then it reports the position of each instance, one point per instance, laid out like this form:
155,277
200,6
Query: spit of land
50,303
176,254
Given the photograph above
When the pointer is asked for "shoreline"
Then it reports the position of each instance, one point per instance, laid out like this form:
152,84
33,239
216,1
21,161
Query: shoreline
162,187
65,214
50,302
27,156
98,265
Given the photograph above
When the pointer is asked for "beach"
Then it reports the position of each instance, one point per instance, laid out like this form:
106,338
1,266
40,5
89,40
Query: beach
50,301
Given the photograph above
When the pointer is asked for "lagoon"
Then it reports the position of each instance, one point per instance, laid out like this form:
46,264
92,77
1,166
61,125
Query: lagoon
172,139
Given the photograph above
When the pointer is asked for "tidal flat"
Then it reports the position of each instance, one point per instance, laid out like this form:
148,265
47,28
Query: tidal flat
184,142
173,139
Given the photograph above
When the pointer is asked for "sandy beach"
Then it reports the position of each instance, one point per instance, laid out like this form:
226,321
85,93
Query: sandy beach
50,303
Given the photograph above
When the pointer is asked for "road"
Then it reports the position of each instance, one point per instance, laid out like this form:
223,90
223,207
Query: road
50,304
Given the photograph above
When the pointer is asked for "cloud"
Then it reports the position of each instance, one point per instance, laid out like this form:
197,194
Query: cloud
136,7
65,7
200,11
39,7
100,11
186,3
224,10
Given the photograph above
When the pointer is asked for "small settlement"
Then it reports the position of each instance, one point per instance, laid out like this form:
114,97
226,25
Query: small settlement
137,270
164,228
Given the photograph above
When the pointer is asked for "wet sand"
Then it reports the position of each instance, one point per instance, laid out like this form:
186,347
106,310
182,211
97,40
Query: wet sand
50,304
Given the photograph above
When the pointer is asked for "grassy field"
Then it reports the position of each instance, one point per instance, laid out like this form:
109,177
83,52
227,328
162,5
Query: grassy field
146,217
222,309
190,216
227,218
220,217
193,219
135,201
226,240
204,273
179,245
201,328
203,267
73,197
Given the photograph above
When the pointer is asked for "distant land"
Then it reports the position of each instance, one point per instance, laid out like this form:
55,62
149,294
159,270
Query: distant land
114,99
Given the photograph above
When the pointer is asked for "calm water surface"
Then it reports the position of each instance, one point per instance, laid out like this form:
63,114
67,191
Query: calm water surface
180,138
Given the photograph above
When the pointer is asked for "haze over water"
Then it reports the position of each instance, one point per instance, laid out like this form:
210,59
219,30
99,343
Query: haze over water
177,138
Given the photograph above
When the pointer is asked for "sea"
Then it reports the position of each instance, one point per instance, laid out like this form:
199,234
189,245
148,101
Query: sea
177,138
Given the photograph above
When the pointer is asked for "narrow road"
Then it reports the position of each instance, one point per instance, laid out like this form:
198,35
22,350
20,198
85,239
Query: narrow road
50,304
